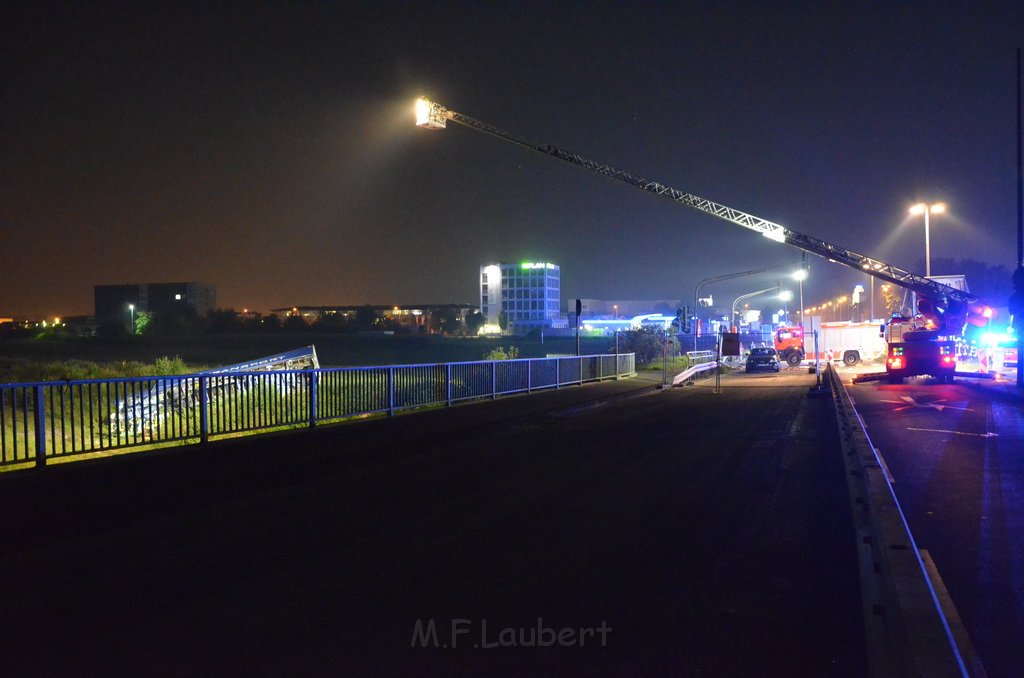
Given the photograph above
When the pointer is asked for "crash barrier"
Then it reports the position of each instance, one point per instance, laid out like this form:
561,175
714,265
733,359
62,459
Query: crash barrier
908,632
45,421
701,362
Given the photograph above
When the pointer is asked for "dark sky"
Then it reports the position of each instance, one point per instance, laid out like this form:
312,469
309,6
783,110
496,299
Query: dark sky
270,149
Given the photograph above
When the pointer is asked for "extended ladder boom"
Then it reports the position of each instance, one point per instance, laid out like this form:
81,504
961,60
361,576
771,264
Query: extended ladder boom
433,116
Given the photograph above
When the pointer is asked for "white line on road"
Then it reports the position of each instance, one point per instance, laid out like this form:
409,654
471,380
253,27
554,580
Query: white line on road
885,467
990,434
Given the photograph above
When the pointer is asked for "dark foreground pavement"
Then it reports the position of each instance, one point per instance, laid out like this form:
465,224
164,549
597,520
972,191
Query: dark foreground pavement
710,533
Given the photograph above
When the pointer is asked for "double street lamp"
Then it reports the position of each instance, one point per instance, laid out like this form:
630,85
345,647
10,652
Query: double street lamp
740,298
926,209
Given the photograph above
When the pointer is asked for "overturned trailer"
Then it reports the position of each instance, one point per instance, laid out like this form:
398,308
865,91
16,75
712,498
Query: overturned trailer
150,402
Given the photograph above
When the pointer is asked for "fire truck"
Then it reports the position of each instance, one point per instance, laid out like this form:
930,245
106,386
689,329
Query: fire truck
943,310
789,344
846,342
916,347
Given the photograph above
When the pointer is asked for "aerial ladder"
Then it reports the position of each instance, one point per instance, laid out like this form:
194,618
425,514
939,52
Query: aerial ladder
944,310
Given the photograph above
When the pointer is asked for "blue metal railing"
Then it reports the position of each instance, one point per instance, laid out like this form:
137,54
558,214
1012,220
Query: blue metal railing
51,420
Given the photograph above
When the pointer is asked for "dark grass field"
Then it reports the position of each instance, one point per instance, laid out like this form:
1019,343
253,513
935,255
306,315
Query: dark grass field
333,350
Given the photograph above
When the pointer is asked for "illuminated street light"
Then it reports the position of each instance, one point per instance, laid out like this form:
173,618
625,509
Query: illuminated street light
785,296
926,209
747,296
800,276
131,309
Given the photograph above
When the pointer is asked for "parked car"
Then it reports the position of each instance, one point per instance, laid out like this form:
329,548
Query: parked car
763,359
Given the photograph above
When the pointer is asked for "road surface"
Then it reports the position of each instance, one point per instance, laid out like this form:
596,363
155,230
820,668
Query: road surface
954,454
673,532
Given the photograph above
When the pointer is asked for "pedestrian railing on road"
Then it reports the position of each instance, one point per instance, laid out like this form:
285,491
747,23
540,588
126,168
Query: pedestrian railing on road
46,421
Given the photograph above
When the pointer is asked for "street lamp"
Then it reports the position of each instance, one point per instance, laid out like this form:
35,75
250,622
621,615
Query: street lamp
926,209
747,296
131,309
785,296
800,276
720,278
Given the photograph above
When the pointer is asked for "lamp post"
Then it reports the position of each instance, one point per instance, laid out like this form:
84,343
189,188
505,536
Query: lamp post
800,276
785,296
747,296
872,297
720,278
131,309
926,209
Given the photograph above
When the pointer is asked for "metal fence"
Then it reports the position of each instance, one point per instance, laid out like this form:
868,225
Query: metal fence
52,420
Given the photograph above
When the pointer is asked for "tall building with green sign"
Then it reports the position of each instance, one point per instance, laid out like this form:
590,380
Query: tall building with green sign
518,298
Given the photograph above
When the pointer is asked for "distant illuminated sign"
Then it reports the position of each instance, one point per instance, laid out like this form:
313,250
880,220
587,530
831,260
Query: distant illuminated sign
532,265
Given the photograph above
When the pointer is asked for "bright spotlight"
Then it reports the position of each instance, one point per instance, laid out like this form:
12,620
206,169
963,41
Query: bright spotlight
430,115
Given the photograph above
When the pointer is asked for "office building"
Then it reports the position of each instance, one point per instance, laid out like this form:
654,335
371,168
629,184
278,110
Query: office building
519,298
119,303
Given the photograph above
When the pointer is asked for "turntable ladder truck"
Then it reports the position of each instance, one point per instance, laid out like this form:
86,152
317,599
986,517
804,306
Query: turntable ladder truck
928,349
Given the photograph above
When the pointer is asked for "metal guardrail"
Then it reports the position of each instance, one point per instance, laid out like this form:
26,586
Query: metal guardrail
907,629
700,361
45,421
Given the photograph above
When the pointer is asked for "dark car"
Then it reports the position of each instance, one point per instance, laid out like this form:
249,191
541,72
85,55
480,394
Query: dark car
763,359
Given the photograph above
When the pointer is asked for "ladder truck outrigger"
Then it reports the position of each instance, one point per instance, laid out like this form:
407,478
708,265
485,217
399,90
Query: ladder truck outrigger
924,345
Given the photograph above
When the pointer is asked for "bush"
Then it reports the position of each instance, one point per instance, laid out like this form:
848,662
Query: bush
502,353
647,344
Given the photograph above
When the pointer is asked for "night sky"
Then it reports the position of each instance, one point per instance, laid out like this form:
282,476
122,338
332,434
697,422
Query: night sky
270,149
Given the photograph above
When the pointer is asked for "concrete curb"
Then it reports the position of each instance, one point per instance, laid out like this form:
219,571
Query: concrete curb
907,632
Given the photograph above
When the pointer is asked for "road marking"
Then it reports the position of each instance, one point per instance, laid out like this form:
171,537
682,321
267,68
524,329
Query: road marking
935,404
990,434
885,467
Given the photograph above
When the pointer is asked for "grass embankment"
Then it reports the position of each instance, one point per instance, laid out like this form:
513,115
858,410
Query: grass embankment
676,364
23,370
70,358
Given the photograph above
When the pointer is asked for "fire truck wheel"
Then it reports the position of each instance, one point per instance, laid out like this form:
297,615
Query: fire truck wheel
793,359
850,358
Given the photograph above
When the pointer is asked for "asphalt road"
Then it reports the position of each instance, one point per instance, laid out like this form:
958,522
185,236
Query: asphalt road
711,533
955,457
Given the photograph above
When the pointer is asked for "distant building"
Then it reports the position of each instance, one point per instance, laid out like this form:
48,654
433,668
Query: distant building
409,316
627,308
117,303
523,297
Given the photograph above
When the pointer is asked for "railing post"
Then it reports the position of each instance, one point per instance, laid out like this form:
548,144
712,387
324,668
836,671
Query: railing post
391,391
529,375
40,426
312,397
581,369
448,384
494,379
600,368
204,414
558,372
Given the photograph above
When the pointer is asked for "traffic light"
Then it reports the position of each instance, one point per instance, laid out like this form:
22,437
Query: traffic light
683,319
